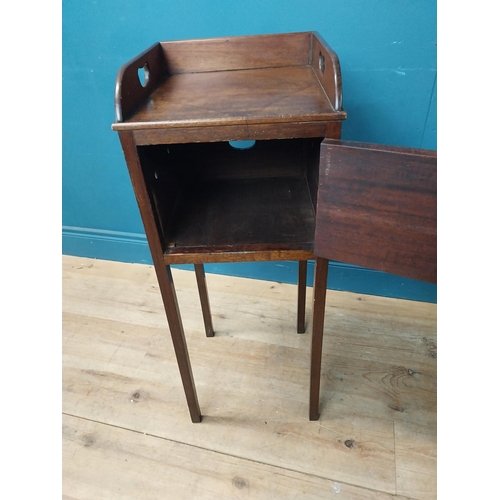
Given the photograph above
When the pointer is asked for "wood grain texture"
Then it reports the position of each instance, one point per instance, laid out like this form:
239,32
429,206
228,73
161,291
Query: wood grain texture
242,215
243,132
237,53
268,95
260,253
415,459
223,83
119,370
129,92
105,462
235,81
326,67
377,208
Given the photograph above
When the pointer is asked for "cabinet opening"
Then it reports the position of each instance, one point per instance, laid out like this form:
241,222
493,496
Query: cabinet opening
209,197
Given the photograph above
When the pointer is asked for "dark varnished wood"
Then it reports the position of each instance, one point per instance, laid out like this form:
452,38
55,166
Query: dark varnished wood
377,208
326,67
218,161
213,198
301,296
129,92
260,253
264,79
266,95
242,213
319,292
163,273
201,201
205,304
233,53
242,132
334,130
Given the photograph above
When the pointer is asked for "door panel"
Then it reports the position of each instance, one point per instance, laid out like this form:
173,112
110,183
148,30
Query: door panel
377,208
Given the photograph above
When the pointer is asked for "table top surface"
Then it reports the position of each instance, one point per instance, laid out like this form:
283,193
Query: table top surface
250,96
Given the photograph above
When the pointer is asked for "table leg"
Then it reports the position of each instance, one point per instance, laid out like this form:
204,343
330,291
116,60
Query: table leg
163,272
205,304
320,278
301,299
169,297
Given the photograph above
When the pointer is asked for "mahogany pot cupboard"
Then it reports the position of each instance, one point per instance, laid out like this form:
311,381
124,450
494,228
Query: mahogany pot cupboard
185,113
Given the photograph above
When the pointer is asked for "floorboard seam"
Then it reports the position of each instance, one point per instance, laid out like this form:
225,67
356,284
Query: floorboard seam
395,458
234,456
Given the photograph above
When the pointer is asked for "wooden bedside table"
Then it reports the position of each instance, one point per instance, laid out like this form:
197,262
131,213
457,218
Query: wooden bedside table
179,108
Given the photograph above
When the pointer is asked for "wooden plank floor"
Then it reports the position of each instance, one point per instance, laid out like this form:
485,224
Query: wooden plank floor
126,428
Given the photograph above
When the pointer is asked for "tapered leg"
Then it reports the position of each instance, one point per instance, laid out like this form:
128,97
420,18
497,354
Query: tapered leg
320,277
301,302
205,304
163,272
179,340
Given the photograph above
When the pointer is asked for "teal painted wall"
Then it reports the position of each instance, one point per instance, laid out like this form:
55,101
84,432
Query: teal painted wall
387,51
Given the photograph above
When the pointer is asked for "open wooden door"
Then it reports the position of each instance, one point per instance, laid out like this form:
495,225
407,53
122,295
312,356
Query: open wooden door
377,208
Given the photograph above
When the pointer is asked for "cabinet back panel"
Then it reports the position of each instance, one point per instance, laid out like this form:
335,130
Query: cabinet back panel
217,161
